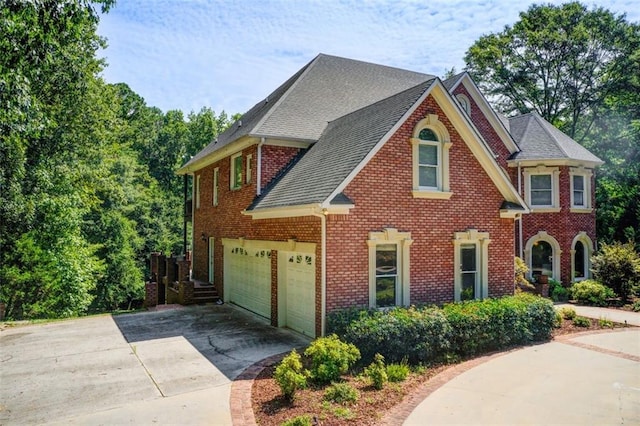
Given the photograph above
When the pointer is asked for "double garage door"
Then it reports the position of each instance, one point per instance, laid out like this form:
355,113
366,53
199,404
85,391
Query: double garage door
247,278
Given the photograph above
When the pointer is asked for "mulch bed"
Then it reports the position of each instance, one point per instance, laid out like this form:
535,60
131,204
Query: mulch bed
270,409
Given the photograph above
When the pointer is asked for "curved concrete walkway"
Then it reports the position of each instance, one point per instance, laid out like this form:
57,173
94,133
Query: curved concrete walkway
588,378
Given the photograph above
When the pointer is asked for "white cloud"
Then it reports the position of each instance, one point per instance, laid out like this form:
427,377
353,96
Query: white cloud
230,54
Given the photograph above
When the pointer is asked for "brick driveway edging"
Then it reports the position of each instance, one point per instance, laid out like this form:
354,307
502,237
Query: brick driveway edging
240,399
242,409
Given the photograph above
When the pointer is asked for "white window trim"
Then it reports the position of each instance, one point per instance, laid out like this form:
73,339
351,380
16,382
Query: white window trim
216,178
588,245
232,169
442,192
403,241
197,191
248,173
586,174
557,252
463,100
555,185
481,240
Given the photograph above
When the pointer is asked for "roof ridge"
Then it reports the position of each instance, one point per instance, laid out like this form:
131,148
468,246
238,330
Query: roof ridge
305,71
359,110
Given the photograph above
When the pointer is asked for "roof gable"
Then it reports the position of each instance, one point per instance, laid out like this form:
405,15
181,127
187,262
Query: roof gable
350,142
494,119
343,146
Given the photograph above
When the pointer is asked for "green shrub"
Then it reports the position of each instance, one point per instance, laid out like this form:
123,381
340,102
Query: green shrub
591,292
481,326
330,358
304,420
398,372
636,306
567,312
581,322
605,323
290,376
377,372
558,320
618,266
341,393
339,321
419,335
557,291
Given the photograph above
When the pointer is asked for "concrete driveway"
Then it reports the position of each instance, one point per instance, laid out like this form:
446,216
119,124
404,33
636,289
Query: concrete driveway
166,367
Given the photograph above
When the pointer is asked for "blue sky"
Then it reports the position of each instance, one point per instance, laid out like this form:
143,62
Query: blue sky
227,55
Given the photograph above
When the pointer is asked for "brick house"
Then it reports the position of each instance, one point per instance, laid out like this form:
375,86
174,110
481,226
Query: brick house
355,184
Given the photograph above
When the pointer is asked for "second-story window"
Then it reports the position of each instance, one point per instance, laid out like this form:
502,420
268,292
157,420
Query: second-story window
216,177
541,190
247,177
236,171
578,191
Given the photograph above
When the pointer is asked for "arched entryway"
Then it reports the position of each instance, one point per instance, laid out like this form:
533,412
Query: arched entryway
542,254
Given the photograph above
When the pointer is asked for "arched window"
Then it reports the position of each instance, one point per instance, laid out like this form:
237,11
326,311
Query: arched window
431,144
464,103
581,250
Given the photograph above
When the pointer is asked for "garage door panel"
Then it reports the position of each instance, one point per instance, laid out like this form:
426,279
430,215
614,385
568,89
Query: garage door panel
300,292
248,279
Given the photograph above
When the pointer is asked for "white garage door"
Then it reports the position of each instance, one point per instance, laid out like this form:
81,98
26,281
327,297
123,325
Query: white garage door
247,278
300,276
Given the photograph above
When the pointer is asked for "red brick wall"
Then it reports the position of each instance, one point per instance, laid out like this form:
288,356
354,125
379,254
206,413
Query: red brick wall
382,193
226,220
274,158
486,129
564,225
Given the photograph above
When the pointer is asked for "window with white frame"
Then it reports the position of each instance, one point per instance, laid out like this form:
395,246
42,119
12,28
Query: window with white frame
235,178
471,265
247,177
464,103
216,178
580,189
541,188
431,144
389,268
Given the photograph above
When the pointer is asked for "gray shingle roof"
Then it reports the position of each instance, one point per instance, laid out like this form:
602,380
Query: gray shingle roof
341,148
540,140
326,88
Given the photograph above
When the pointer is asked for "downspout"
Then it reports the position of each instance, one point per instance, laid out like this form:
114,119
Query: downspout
259,168
520,240
323,270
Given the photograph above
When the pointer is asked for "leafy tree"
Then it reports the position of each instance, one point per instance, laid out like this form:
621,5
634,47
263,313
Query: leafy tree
579,69
47,70
556,60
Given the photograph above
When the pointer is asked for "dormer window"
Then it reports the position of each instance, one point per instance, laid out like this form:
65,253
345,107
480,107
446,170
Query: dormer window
431,145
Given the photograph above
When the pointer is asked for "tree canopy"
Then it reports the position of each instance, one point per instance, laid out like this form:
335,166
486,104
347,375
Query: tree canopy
87,169
579,69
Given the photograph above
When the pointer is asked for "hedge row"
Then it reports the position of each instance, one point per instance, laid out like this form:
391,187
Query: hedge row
430,334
